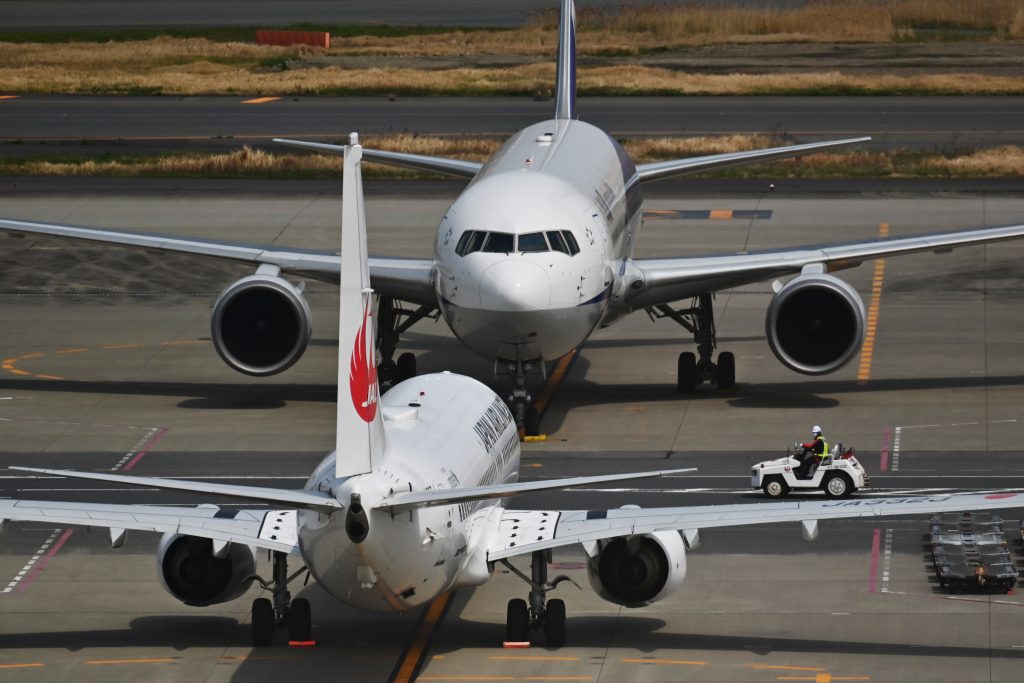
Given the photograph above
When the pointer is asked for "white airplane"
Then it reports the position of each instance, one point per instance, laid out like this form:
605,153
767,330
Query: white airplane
537,252
410,504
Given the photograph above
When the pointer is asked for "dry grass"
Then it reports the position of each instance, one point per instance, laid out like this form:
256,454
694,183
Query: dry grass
248,163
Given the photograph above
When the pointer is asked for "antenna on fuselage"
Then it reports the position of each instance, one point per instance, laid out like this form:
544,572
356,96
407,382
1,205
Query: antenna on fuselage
360,429
565,77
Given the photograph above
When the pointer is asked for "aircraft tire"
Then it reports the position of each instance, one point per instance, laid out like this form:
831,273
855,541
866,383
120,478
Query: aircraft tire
300,620
531,422
262,622
725,371
405,368
554,623
517,621
687,372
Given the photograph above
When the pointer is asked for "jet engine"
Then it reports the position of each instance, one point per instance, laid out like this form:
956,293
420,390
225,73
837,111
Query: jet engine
634,571
261,325
193,574
815,324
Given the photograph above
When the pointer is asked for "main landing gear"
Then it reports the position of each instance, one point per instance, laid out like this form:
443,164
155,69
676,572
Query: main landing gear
548,615
392,322
283,612
699,319
520,399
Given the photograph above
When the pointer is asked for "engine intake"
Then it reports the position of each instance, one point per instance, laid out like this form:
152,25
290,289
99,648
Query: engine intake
635,571
191,573
815,324
261,325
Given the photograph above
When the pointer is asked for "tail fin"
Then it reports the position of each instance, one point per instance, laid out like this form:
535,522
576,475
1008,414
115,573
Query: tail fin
565,78
360,429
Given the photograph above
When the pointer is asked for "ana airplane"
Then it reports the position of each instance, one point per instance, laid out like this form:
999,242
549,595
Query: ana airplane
537,252
410,502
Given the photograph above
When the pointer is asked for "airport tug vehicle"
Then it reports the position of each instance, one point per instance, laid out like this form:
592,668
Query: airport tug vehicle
838,474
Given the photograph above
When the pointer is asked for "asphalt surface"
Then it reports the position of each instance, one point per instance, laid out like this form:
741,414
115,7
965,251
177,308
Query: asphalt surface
127,334
92,125
70,15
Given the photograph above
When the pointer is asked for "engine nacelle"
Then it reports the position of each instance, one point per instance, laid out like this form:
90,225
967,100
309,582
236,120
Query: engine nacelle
635,571
261,325
191,573
815,324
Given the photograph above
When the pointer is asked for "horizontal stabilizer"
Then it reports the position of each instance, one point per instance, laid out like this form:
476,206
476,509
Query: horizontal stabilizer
294,498
419,162
667,169
419,499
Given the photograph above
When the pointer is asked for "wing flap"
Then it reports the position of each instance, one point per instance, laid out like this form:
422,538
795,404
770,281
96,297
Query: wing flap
268,529
578,526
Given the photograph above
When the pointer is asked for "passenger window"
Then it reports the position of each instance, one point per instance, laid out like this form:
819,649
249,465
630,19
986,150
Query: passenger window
499,242
470,241
571,241
558,242
532,242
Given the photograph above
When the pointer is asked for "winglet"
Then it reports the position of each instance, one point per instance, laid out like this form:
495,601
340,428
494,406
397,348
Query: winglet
565,78
360,429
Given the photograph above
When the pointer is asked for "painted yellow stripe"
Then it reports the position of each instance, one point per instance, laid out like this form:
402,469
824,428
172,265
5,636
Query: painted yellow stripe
156,660
49,377
720,215
28,356
112,347
466,678
534,658
557,375
16,371
183,342
9,97
27,665
412,657
664,661
868,350
72,350
261,100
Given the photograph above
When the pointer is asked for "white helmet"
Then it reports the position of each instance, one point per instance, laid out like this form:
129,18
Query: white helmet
815,429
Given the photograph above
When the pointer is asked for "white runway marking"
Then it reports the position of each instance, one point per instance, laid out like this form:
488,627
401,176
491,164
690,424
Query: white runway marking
31,563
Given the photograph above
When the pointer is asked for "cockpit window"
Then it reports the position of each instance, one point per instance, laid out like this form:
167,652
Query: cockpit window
500,242
471,240
506,243
533,241
571,241
557,241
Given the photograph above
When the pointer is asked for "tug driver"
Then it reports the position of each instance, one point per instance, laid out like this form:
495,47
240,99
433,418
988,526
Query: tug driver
814,451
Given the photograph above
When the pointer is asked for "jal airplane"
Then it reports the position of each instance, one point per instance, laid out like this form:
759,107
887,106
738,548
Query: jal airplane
537,252
410,504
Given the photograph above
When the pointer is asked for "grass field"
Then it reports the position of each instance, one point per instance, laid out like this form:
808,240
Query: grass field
248,163
225,61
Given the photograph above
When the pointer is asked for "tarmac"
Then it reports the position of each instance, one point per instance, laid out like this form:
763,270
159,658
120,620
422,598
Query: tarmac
107,364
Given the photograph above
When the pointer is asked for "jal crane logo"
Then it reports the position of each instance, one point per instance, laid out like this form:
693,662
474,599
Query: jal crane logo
362,378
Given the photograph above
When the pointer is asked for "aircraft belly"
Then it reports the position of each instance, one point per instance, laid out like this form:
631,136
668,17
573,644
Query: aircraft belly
524,335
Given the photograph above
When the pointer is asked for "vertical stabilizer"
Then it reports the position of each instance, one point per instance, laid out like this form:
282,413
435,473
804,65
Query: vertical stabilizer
360,430
565,79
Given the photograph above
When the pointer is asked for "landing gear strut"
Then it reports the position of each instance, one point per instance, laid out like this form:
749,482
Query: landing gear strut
540,613
392,322
699,320
283,612
526,417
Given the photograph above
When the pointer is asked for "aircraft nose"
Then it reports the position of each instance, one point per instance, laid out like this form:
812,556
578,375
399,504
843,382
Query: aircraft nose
515,285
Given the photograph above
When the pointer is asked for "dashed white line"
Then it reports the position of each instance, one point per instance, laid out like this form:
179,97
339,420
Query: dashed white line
31,563
886,560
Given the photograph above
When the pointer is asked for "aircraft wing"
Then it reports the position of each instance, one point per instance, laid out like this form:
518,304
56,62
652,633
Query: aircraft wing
667,169
670,279
267,529
402,278
419,162
522,532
